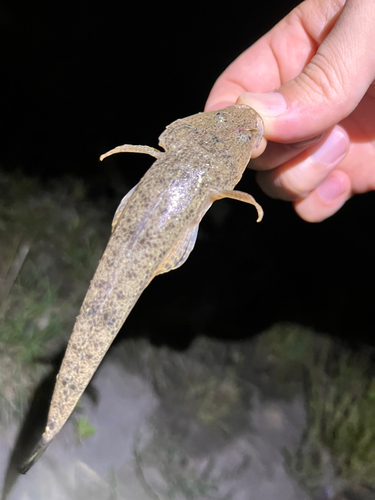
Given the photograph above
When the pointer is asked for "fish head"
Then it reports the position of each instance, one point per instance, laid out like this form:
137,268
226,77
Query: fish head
229,132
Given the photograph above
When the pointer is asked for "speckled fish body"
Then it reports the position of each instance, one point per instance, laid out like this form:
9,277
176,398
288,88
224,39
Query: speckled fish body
154,230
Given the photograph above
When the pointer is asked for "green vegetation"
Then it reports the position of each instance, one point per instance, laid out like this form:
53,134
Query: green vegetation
338,446
179,474
83,428
204,381
51,240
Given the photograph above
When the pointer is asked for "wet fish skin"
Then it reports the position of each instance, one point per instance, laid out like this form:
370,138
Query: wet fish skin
153,231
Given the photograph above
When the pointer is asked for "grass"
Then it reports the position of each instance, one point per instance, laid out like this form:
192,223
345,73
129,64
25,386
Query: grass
338,446
51,240
84,429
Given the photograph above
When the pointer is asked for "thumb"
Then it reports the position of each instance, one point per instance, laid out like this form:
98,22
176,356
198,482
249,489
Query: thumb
330,86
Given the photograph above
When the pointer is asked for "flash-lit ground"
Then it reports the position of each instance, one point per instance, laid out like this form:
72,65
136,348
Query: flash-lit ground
286,412
190,428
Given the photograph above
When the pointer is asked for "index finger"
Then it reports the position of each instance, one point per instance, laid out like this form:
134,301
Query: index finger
279,56
253,71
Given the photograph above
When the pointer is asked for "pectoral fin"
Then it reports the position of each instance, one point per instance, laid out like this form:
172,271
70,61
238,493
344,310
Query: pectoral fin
121,207
130,148
180,252
240,196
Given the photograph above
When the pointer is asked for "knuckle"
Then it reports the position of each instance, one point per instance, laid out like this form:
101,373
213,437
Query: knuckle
325,79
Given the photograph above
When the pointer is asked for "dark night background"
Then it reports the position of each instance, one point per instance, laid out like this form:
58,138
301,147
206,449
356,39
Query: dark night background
79,78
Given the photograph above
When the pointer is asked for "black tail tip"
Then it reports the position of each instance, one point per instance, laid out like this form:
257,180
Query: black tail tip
39,449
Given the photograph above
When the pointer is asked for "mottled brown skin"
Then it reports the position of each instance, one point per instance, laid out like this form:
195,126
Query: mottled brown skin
154,231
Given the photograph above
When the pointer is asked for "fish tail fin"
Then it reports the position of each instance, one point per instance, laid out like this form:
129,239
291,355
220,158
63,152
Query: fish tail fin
38,451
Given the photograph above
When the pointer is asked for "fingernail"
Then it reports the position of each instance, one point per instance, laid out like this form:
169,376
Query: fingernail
330,189
268,104
333,149
306,143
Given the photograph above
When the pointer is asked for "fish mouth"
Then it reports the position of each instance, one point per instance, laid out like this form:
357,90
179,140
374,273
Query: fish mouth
260,127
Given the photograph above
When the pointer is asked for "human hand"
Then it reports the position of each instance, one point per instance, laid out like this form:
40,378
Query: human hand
321,118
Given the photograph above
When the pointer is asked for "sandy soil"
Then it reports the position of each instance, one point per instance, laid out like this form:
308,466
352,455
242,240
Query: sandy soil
170,425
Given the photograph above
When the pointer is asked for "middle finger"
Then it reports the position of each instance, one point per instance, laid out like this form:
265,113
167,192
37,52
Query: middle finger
295,178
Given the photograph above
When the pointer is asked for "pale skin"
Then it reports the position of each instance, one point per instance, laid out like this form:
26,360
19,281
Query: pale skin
312,80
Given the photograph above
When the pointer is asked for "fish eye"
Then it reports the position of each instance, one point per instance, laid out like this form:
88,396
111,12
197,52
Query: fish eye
220,117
